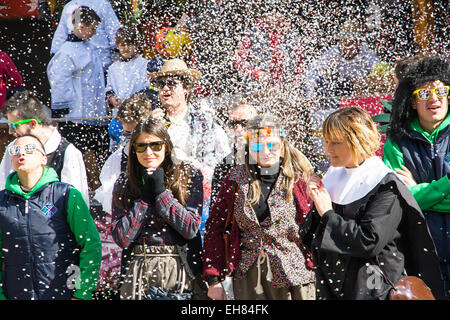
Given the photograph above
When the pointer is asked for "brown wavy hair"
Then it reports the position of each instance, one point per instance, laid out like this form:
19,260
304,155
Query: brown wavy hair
176,176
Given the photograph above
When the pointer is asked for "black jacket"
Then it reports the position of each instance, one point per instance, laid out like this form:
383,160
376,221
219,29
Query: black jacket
427,162
383,229
38,244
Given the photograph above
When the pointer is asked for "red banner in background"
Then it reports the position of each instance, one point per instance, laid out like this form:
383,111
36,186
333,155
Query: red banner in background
16,9
372,105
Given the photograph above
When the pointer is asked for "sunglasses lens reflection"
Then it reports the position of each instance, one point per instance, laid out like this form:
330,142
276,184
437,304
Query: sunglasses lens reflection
154,146
424,94
169,83
235,123
258,147
28,148
442,92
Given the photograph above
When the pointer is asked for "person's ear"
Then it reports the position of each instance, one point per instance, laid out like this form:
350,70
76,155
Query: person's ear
186,93
44,160
34,124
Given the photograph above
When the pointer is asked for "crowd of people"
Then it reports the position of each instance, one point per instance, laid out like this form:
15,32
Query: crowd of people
192,207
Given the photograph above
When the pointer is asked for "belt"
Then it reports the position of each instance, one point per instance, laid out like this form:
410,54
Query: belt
261,257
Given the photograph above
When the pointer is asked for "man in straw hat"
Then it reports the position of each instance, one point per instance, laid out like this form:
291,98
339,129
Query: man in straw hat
196,136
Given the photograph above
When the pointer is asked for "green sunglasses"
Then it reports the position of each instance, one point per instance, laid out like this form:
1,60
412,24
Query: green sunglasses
13,125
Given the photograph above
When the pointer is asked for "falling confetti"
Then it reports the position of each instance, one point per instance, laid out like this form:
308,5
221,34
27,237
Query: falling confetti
212,33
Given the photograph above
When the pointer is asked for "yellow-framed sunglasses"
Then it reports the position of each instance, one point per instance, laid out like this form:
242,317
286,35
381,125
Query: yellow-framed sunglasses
425,93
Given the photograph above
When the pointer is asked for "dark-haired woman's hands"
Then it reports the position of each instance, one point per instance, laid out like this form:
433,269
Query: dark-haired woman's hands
153,183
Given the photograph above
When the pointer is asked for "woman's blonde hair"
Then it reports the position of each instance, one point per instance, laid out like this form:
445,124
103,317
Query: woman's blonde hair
355,126
294,164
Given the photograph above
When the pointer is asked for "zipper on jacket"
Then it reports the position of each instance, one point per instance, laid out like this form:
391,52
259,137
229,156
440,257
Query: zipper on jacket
432,152
32,270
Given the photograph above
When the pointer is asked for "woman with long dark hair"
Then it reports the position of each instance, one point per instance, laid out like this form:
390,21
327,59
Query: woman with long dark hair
267,202
157,208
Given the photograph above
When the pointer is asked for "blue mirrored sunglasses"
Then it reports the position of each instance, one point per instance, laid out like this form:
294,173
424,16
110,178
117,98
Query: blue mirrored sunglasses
258,147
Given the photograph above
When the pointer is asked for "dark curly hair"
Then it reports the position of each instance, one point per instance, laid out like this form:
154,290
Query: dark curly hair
428,69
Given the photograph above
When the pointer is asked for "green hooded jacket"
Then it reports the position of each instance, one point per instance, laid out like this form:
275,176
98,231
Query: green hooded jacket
82,225
433,196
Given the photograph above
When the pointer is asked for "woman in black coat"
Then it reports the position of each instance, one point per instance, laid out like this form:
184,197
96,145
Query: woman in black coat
365,231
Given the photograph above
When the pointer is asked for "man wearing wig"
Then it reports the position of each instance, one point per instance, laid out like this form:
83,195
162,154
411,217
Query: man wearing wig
418,148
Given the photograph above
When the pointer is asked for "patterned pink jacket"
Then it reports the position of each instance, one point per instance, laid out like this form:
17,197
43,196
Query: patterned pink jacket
278,235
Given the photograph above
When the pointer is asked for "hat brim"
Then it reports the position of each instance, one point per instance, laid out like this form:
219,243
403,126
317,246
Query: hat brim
196,75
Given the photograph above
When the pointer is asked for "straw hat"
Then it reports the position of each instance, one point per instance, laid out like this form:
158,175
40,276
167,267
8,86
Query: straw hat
176,67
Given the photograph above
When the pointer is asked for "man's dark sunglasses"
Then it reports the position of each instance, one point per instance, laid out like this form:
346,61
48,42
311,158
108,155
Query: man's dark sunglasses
235,123
171,83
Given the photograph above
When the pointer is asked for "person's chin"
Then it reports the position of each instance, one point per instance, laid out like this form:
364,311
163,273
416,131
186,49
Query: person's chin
335,163
22,168
267,163
167,103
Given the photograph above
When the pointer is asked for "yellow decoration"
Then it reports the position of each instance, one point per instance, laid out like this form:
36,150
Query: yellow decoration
424,24
52,5
173,43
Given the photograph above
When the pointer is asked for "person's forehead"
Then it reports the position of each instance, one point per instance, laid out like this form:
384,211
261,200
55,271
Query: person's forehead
13,116
431,84
147,137
263,139
129,125
243,111
26,140
351,39
124,43
168,77
334,136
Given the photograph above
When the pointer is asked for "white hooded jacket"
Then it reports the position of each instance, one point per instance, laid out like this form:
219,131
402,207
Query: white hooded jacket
105,38
77,82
